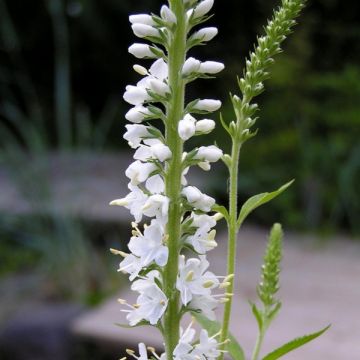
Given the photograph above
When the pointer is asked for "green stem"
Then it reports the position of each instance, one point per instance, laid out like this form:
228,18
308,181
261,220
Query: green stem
176,59
232,240
259,342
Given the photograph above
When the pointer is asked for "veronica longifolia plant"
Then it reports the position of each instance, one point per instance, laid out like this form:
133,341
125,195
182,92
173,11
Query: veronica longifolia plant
177,215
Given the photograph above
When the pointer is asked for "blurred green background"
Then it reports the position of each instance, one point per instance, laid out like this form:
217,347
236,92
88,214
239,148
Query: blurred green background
63,68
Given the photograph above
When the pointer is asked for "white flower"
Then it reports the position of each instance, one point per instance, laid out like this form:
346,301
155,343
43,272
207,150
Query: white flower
211,67
191,65
183,348
142,353
197,199
203,239
208,105
150,306
137,114
141,19
138,171
209,153
205,126
136,95
135,135
155,184
143,30
187,127
193,279
159,152
131,265
150,246
206,304
157,205
207,348
168,15
159,87
205,34
141,51
134,201
203,8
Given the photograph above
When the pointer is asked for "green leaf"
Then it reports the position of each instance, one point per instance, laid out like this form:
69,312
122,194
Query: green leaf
222,210
294,344
213,327
257,314
258,200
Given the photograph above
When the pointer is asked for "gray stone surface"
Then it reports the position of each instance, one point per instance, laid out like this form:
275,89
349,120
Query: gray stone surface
320,285
39,333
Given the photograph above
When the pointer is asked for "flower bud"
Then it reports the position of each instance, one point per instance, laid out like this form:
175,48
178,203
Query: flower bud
142,30
136,95
205,126
159,87
211,67
141,51
140,70
191,66
206,34
137,114
186,127
208,105
168,15
203,8
209,153
144,19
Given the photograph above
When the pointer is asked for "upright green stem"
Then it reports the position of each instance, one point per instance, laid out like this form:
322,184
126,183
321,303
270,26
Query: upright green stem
176,55
232,240
259,341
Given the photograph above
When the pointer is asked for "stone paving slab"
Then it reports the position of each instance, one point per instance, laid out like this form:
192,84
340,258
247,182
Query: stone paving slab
320,285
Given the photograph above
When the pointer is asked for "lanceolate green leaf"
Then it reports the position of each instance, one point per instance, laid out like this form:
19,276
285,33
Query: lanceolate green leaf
213,327
294,344
258,200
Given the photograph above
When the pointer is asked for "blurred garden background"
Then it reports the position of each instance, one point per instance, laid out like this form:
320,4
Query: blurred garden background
63,69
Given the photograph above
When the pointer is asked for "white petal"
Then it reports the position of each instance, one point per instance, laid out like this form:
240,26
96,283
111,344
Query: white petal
206,34
205,126
211,67
142,30
141,19
141,51
208,105
203,8
159,69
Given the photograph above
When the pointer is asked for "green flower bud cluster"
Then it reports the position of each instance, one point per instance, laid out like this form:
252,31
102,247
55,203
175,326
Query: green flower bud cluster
255,73
270,272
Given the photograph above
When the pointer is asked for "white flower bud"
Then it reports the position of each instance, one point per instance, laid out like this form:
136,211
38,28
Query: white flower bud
135,95
159,87
187,127
211,67
141,51
203,8
135,134
208,105
142,30
140,70
209,153
167,15
206,34
205,126
191,65
137,114
144,19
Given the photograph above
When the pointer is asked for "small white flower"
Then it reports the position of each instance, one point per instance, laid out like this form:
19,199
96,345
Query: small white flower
135,134
197,199
183,348
191,65
150,246
168,15
211,67
157,205
203,8
134,201
137,114
158,151
141,51
150,306
143,30
138,171
207,347
206,34
131,265
155,184
136,95
208,105
209,153
205,126
159,87
141,19
142,353
206,304
193,279
187,127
